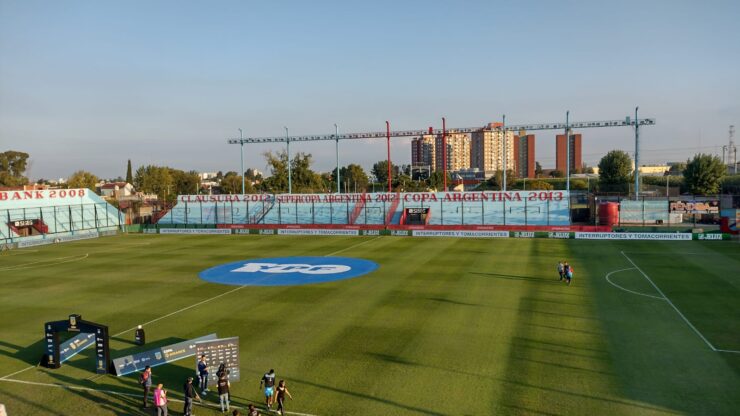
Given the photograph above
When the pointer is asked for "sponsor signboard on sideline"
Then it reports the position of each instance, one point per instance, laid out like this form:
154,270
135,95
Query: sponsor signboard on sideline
194,231
634,236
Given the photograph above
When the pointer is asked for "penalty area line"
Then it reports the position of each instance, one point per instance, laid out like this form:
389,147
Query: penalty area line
122,393
350,247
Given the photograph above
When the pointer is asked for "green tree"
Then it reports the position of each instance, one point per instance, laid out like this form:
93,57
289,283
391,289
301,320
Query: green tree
12,167
232,184
353,177
82,179
380,171
703,174
129,175
615,171
186,183
303,179
537,169
557,174
539,185
158,180
436,180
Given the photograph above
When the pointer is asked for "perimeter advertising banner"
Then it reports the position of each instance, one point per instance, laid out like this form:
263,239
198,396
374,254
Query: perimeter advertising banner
220,351
314,231
194,231
163,355
460,233
635,236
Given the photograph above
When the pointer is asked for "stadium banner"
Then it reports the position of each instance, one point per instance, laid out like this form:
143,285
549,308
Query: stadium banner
194,231
316,231
58,238
65,196
635,236
460,233
220,351
163,355
523,234
711,236
695,207
150,230
406,197
75,345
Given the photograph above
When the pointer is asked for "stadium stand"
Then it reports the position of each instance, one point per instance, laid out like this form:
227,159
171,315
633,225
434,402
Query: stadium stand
368,209
38,215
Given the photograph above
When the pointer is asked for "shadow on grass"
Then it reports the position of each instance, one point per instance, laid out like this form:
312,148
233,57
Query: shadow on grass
520,278
30,354
454,302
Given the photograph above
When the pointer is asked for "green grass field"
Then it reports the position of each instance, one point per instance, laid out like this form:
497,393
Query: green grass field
443,327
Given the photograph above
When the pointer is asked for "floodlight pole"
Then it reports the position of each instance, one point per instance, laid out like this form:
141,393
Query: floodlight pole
503,151
567,156
637,156
388,136
444,153
241,144
336,134
290,184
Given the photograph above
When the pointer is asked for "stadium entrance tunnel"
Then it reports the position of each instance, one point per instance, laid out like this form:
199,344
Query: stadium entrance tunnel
288,271
55,355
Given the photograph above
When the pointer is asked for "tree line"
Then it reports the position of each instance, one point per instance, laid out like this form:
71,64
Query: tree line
702,175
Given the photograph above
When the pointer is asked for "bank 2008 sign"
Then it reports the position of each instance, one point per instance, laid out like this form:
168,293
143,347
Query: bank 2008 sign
288,271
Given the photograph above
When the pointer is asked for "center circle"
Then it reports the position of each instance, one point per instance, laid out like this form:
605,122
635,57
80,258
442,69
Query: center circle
287,271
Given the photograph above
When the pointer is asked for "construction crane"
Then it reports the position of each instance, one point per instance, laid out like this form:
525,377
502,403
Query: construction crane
567,126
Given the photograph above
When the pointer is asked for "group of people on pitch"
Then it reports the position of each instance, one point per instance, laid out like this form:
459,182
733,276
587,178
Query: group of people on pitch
190,393
565,271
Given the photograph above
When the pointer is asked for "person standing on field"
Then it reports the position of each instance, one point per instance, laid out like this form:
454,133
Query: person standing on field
223,392
160,400
561,269
145,379
203,374
190,394
281,392
569,275
269,380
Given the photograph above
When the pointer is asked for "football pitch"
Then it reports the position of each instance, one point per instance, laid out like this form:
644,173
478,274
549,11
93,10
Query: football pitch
443,326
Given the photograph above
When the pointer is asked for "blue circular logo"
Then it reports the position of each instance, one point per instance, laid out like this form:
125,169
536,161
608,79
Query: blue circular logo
287,271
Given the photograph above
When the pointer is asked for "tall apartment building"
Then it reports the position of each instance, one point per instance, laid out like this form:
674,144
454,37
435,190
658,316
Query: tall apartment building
524,155
458,151
486,149
561,150
423,151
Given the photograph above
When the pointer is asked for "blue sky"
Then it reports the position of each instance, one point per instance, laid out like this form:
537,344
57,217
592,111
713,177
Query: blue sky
90,84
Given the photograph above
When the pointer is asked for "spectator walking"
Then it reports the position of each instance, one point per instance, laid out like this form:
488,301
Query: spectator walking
190,394
223,392
269,380
160,400
569,275
281,392
561,269
145,379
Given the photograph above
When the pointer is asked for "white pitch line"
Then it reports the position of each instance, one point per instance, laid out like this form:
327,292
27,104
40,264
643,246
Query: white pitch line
625,289
670,303
350,247
221,295
121,393
17,372
44,263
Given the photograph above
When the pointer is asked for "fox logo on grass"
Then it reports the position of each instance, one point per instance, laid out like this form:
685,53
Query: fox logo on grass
292,268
